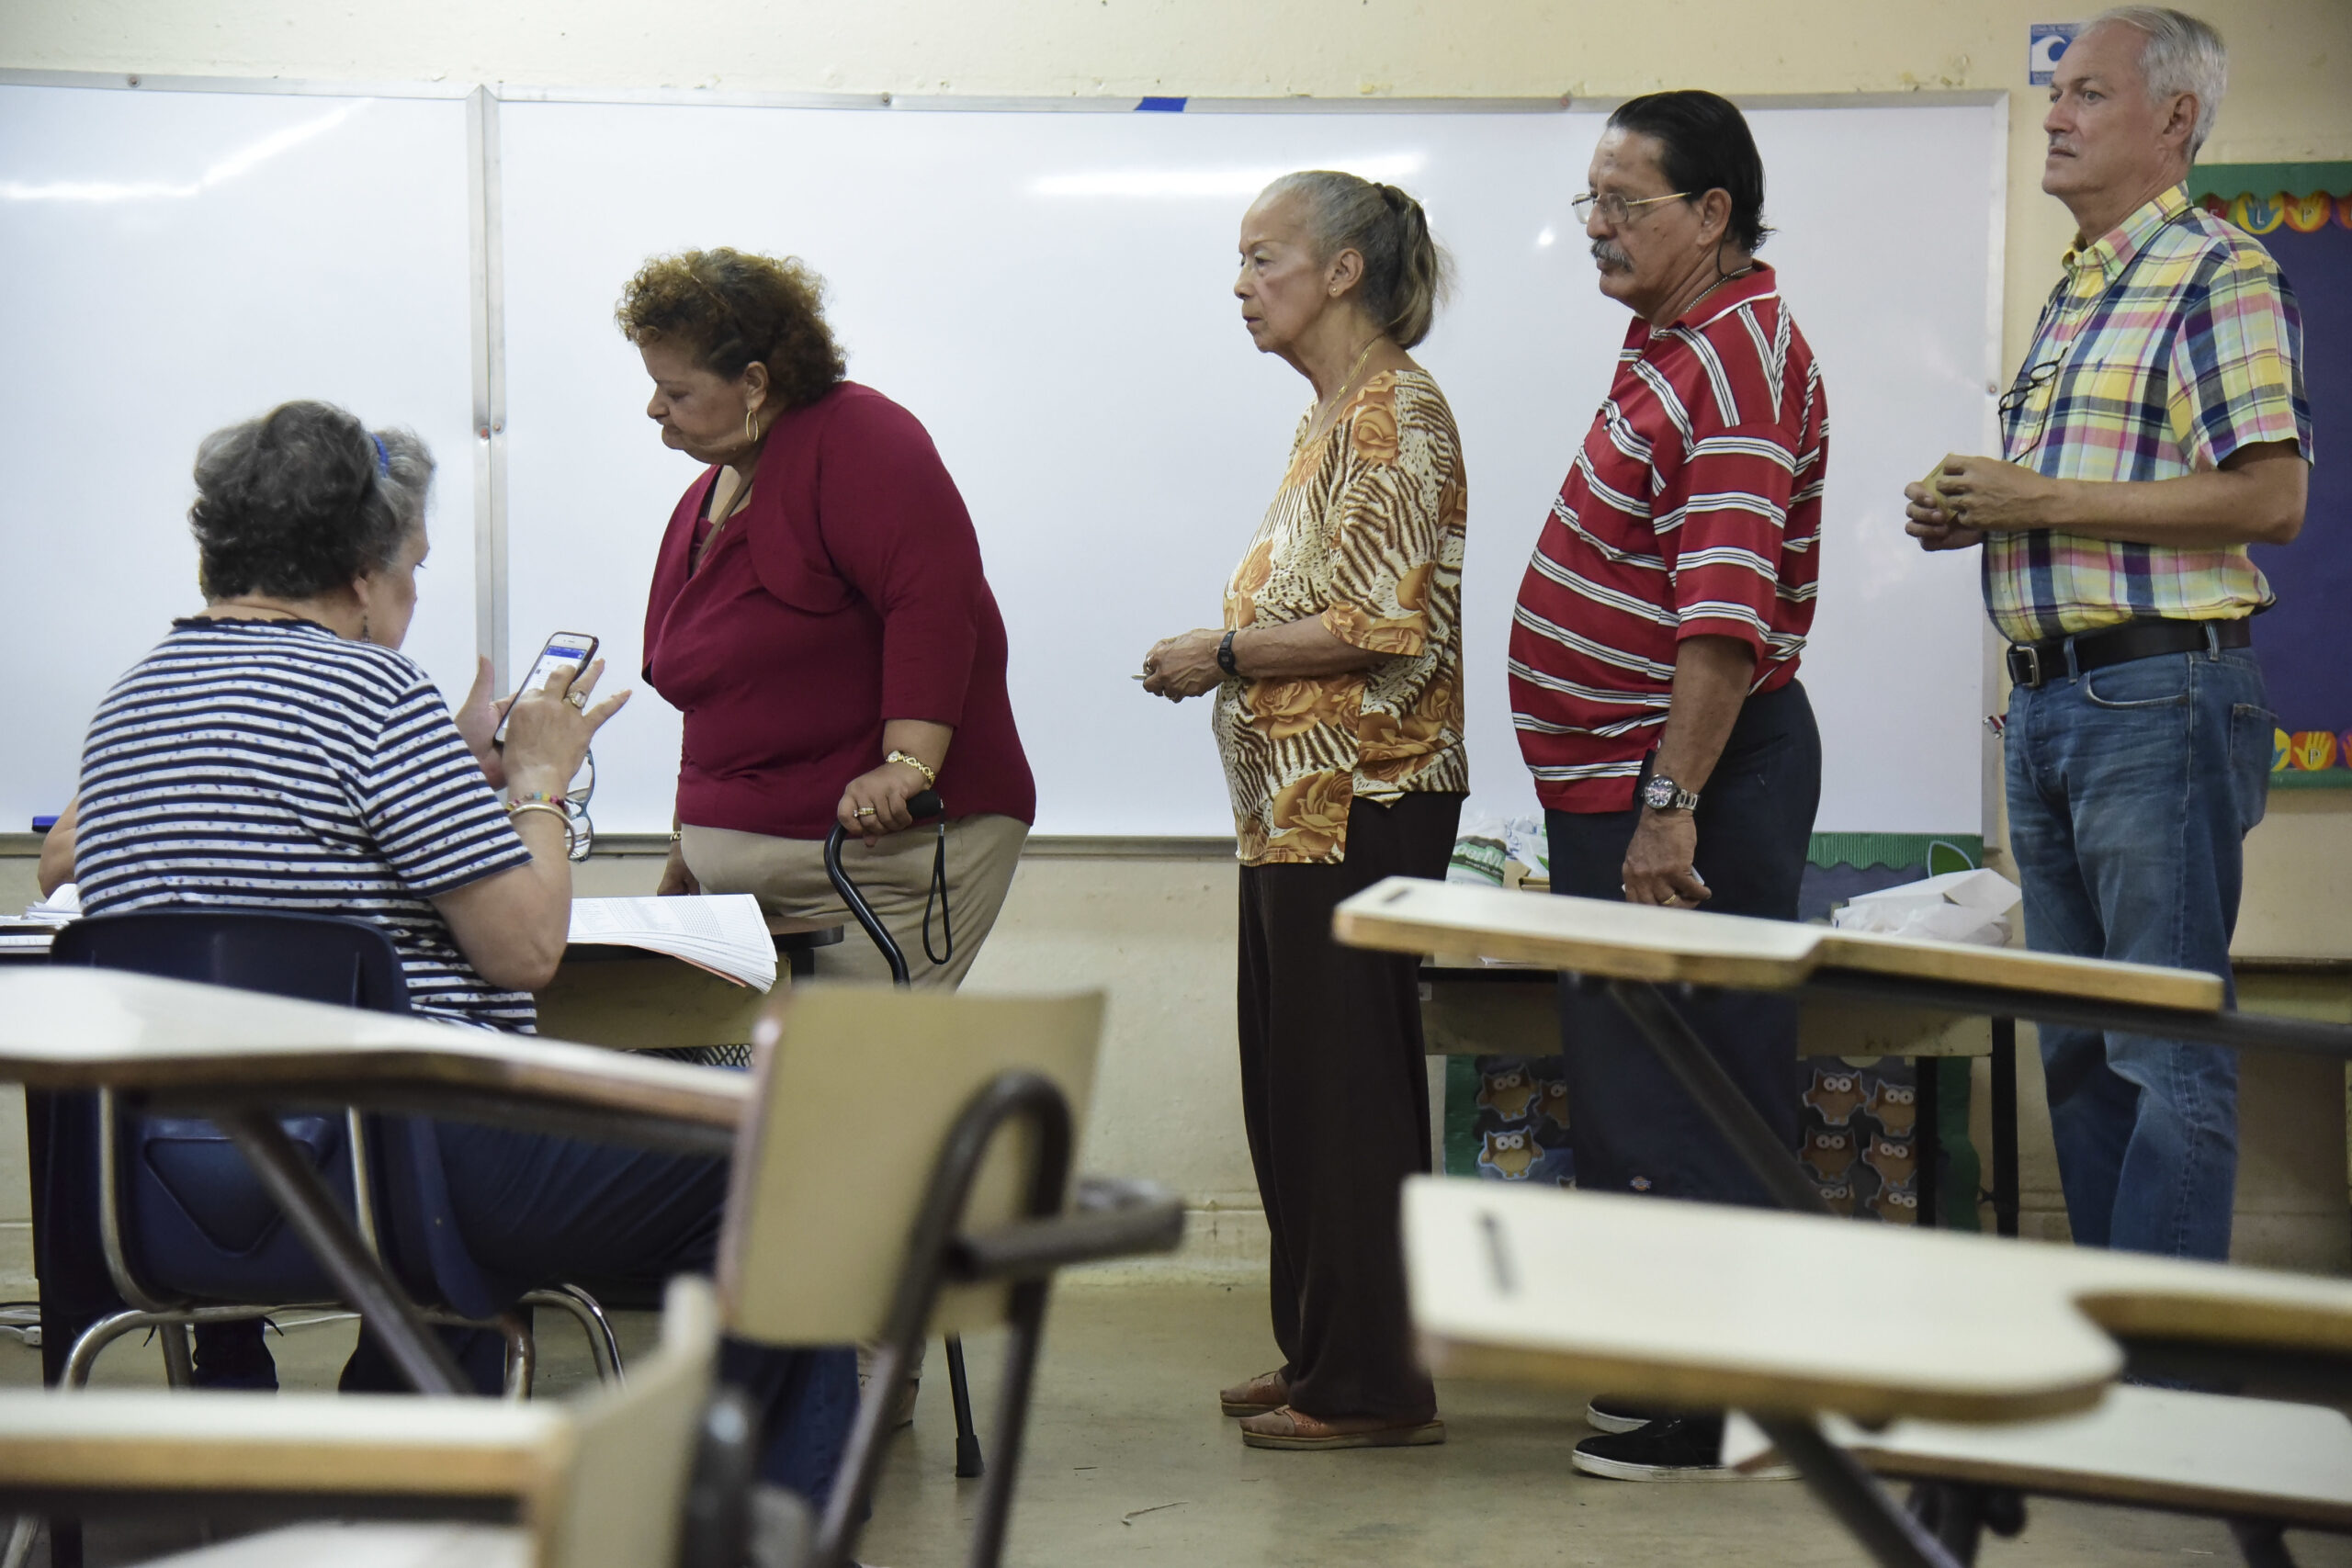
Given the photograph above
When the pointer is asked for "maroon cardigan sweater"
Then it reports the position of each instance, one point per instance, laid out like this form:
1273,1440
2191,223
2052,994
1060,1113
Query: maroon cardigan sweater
848,592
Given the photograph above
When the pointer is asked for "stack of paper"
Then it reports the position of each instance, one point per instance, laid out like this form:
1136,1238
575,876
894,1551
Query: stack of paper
31,931
724,934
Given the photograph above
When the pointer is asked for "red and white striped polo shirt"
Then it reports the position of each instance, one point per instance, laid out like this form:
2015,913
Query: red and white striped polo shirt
1692,511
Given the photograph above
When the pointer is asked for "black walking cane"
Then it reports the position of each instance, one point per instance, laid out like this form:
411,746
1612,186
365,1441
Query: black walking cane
926,805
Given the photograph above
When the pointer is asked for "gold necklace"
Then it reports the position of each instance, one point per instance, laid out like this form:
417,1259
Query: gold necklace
1320,429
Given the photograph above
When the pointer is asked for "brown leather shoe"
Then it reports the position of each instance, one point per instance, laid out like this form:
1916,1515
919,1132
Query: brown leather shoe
1267,1390
1289,1428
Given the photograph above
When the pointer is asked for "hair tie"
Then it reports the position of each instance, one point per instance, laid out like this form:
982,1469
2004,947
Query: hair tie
383,458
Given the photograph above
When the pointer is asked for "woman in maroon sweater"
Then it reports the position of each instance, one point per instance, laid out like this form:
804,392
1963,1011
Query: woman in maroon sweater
820,616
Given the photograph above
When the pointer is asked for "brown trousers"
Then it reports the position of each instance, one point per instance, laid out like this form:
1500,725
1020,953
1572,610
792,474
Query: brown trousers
789,875
1335,1092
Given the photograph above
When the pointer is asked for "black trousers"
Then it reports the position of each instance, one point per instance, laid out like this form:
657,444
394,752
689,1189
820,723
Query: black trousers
1632,1126
1335,1093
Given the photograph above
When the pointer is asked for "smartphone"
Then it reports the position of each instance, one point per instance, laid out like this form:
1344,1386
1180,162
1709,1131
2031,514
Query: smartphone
572,648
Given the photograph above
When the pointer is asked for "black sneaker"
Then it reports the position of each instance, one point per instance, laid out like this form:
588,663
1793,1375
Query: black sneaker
1607,1412
1681,1448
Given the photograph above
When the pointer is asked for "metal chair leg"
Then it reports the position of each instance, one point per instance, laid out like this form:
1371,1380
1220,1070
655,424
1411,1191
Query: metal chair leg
603,1345
968,1463
172,1322
521,1353
179,1354
96,1339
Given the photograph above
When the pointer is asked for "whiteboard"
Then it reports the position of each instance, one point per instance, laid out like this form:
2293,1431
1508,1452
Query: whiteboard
176,262
1050,294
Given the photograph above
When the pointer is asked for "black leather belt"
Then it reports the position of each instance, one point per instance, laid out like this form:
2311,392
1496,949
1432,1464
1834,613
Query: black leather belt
2032,663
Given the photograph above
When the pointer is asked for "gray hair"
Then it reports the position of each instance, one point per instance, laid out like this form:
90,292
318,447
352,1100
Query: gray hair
303,499
1406,273
2183,54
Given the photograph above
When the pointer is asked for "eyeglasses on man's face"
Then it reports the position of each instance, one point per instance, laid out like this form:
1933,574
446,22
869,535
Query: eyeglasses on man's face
1614,209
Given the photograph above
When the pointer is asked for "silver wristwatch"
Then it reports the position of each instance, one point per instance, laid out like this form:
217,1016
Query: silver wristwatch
1662,794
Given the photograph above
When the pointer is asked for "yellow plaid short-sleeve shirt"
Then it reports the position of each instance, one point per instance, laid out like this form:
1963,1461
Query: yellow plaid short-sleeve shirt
2172,341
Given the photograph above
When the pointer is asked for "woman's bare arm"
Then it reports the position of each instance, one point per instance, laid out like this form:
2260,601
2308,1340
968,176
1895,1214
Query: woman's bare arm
57,850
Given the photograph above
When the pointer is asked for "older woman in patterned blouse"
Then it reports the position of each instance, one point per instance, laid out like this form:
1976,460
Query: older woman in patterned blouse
1337,675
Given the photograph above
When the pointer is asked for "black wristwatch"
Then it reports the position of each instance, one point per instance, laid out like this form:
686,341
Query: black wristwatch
1225,654
1662,794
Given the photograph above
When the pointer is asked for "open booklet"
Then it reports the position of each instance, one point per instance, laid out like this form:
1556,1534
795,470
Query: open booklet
724,932
31,931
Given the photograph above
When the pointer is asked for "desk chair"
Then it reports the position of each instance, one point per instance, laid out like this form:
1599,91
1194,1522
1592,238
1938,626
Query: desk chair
2262,1465
961,1113
621,1478
186,1232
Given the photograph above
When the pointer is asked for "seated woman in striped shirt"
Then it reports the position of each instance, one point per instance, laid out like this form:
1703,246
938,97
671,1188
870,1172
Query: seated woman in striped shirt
279,752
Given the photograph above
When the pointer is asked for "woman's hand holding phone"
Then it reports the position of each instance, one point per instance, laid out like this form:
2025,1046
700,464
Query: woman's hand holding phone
547,730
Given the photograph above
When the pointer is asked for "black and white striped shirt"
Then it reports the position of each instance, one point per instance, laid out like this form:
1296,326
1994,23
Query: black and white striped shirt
271,764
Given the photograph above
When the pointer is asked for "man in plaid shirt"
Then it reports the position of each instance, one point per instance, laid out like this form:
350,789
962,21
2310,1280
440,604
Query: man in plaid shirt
2157,428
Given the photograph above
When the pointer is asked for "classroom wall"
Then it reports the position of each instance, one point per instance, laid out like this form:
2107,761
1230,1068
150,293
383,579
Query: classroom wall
1158,933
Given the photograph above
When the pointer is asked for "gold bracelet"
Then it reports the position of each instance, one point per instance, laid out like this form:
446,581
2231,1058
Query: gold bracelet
516,807
917,763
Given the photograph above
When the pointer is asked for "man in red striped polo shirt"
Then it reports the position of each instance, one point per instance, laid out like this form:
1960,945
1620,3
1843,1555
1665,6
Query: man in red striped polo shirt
1653,657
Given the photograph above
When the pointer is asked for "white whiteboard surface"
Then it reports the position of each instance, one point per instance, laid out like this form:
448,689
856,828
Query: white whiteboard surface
176,262
1049,293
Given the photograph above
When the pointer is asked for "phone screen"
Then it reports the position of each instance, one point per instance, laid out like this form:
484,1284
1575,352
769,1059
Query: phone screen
574,649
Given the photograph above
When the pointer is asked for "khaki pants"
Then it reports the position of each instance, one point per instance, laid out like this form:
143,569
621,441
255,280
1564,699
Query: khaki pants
787,875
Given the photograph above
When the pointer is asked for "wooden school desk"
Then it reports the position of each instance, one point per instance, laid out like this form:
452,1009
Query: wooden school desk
241,1058
1629,950
635,999
1474,1009
1583,1290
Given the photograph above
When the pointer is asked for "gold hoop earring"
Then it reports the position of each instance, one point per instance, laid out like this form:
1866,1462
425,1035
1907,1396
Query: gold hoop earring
751,426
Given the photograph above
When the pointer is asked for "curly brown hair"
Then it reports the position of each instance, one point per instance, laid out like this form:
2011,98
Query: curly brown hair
728,307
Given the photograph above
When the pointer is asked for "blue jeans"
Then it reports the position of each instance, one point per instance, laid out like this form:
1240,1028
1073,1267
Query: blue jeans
2130,791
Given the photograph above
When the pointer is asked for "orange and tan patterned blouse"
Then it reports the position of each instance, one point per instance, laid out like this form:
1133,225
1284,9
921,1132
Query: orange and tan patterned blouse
1365,535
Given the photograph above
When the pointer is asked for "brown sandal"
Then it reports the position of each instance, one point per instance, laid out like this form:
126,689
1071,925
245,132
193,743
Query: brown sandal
1295,1430
1267,1390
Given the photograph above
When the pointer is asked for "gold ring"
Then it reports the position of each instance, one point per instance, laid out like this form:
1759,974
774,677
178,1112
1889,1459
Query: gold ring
576,700
863,811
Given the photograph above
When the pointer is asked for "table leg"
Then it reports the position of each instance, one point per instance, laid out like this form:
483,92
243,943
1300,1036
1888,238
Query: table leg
383,1306
1703,1079
2005,1125
1882,1527
1927,1133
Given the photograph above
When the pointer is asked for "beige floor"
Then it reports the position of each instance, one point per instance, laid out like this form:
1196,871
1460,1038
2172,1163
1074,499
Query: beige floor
1128,1463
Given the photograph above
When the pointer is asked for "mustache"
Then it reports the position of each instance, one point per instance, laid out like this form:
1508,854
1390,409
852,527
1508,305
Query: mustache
1608,255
